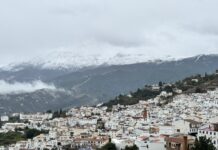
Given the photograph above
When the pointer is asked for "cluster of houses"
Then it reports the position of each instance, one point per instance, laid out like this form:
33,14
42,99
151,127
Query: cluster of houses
173,126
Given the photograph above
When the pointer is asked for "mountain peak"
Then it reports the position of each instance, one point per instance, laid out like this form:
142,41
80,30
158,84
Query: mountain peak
68,60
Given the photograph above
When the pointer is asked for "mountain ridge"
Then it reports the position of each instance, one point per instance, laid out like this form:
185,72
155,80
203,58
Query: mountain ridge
68,60
99,84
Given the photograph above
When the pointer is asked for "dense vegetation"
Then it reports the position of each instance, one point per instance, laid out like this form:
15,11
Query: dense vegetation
203,144
193,84
58,114
14,119
109,146
140,94
19,135
112,146
206,82
31,133
134,147
10,138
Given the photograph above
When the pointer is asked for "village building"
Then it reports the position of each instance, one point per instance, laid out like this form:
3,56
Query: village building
179,142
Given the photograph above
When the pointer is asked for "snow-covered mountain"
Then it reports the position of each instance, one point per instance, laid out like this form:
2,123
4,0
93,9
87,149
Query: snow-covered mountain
58,87
74,61
68,59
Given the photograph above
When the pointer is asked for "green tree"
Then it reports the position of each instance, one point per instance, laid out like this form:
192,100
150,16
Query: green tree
134,147
160,84
49,111
203,144
31,133
109,146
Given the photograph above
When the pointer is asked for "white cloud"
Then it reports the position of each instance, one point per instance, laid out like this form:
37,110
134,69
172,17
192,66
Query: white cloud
156,27
18,87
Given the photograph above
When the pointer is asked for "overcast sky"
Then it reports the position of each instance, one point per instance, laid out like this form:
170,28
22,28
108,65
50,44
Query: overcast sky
178,28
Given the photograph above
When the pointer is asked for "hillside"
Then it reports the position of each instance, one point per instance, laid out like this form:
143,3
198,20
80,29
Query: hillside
192,84
89,86
104,83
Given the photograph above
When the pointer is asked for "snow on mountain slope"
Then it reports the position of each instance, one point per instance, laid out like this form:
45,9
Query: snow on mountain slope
75,61
68,60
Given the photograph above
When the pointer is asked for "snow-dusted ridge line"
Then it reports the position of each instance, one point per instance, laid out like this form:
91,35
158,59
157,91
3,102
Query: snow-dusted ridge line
68,60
